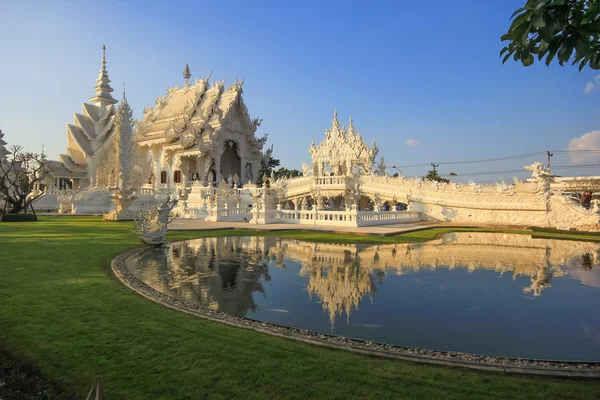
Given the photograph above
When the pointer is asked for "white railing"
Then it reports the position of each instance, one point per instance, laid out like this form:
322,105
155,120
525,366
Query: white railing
144,191
196,213
333,218
331,180
368,218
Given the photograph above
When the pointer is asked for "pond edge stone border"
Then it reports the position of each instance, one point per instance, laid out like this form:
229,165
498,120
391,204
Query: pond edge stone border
568,369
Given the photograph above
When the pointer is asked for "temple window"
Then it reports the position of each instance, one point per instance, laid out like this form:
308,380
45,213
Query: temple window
163,176
177,176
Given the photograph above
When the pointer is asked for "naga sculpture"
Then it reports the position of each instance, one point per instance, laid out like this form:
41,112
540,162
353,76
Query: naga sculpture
152,223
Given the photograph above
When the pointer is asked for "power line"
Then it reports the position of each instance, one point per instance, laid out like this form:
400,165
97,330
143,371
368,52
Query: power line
506,158
523,170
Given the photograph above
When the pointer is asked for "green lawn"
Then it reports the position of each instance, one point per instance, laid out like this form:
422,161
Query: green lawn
64,311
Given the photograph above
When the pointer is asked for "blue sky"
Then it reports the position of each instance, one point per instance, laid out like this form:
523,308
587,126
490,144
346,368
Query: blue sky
427,71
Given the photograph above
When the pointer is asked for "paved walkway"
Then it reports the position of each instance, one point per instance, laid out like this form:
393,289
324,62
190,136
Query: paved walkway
384,230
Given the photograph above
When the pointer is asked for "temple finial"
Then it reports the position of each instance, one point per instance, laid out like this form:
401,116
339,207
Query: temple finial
335,124
124,97
351,127
103,89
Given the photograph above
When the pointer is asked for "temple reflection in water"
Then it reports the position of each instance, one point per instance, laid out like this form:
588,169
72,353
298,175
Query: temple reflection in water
226,273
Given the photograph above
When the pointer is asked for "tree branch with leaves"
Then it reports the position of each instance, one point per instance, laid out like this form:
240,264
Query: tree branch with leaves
567,29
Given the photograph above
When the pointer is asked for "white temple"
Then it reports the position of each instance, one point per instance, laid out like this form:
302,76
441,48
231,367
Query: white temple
198,143
201,133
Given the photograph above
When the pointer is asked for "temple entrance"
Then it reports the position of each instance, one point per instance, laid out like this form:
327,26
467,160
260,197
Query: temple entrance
231,164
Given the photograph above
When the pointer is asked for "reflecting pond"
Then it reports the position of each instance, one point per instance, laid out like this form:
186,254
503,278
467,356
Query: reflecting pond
483,293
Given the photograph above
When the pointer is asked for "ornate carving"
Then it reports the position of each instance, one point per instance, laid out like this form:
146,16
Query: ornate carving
152,223
342,151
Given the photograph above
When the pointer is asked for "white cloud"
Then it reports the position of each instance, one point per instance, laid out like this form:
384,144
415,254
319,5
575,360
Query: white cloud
589,141
413,142
592,86
588,88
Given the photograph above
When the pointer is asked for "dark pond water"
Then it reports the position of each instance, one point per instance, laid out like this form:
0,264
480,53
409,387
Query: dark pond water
483,293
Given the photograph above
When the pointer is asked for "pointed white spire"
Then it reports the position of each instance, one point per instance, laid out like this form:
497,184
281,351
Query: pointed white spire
335,124
124,140
103,89
351,127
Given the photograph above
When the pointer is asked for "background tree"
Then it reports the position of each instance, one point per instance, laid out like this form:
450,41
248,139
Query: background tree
381,168
20,171
287,173
453,174
433,175
187,74
267,164
547,28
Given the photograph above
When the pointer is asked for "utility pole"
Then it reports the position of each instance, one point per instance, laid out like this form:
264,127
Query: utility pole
434,165
549,155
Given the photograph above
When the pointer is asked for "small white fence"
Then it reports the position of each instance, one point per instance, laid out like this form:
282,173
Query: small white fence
333,218
218,214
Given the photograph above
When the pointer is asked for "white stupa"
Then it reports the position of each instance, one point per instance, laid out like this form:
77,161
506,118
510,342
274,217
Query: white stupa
92,130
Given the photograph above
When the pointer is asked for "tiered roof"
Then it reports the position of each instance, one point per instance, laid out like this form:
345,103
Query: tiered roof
94,127
190,118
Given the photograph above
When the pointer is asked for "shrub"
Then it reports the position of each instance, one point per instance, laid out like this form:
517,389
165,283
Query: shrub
17,218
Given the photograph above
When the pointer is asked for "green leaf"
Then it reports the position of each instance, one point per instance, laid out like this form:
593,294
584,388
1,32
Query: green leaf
551,54
595,62
506,57
520,10
591,28
527,60
538,21
526,32
545,33
566,49
543,47
582,45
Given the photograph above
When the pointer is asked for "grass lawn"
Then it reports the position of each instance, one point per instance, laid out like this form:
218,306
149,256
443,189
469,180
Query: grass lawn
63,311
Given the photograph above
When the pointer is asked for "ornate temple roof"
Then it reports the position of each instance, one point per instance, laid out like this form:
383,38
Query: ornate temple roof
343,149
190,117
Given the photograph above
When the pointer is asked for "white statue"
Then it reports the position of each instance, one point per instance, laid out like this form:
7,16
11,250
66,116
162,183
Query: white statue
307,170
152,223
